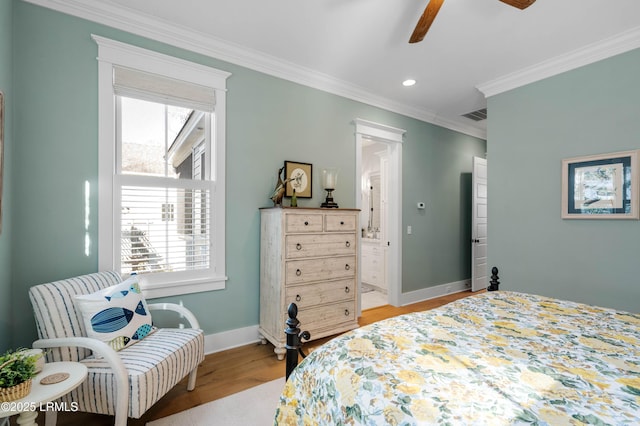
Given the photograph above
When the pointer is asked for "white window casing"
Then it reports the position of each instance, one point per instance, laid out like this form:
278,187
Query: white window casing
127,70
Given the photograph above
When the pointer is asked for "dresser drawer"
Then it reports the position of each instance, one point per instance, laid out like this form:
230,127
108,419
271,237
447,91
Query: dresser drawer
303,222
339,222
309,295
302,271
321,318
301,245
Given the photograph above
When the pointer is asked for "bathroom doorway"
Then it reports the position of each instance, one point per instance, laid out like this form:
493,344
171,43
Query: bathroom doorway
379,198
373,220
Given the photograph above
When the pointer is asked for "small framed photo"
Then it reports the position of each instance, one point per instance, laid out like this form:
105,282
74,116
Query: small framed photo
601,186
301,179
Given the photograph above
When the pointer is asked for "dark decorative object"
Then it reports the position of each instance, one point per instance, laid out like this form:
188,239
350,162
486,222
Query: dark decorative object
294,339
494,283
278,192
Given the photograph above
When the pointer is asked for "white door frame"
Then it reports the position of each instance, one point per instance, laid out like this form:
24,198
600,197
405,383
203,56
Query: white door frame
393,138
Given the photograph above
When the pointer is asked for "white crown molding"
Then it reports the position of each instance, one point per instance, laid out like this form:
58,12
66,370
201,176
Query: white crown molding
165,32
595,52
136,23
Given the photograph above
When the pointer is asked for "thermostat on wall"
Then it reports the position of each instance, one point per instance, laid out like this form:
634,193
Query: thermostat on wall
421,205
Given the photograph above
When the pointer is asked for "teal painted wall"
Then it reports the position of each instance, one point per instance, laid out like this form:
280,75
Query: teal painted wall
269,120
590,110
437,171
6,28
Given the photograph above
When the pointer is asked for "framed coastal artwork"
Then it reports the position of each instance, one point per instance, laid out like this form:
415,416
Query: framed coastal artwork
601,186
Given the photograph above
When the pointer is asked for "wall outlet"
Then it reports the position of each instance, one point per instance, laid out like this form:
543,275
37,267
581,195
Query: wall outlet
409,230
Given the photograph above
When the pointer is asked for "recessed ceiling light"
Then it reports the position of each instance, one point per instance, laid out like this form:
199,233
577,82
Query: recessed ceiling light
409,82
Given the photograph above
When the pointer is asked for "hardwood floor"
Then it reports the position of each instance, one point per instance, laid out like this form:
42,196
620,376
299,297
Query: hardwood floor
227,372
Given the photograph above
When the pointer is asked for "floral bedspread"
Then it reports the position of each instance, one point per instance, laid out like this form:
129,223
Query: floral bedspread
491,359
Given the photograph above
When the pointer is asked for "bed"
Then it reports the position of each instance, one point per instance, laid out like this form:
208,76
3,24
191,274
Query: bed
494,358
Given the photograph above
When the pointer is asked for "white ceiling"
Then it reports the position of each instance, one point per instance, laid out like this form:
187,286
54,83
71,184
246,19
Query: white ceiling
360,49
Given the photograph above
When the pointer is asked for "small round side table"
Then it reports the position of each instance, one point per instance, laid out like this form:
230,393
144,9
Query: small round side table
41,394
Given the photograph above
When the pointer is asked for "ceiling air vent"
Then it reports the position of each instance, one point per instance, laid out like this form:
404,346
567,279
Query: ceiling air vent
478,115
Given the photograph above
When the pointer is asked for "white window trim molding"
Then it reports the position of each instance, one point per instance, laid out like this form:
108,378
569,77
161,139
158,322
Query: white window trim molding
110,53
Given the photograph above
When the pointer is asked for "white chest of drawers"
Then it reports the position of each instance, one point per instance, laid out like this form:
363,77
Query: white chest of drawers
308,256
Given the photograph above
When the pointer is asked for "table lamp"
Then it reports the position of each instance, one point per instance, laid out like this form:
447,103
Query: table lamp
329,181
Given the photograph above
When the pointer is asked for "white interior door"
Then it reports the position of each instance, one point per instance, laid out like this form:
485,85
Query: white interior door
479,277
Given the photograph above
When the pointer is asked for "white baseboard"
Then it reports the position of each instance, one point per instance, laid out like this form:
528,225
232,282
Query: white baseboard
245,336
433,292
231,339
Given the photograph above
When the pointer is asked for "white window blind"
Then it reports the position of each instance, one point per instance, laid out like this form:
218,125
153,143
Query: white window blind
152,87
165,228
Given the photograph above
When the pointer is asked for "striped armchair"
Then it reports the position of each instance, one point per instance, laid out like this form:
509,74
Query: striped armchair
125,383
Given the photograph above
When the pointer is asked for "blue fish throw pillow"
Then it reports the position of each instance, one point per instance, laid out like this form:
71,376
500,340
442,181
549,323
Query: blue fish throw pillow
117,315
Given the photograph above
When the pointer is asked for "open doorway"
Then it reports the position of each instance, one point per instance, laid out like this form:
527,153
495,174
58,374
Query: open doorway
373,224
379,197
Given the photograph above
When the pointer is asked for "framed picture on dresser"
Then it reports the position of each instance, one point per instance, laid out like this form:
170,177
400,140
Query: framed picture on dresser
301,179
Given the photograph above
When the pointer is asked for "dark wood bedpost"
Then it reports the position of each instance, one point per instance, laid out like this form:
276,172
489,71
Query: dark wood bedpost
294,339
494,283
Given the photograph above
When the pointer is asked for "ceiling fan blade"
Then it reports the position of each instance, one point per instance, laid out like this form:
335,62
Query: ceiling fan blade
520,4
425,21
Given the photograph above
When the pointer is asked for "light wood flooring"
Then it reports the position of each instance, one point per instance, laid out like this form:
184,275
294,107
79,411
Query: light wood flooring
227,372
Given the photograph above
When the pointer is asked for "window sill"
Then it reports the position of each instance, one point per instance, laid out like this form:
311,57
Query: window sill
160,289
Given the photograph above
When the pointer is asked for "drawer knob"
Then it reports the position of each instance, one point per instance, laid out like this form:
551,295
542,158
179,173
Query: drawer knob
347,289
298,246
306,223
346,312
348,244
298,272
298,298
342,222
347,267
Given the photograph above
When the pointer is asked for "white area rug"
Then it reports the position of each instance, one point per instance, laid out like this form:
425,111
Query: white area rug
252,407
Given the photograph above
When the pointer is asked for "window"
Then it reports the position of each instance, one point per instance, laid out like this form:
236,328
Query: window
161,184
